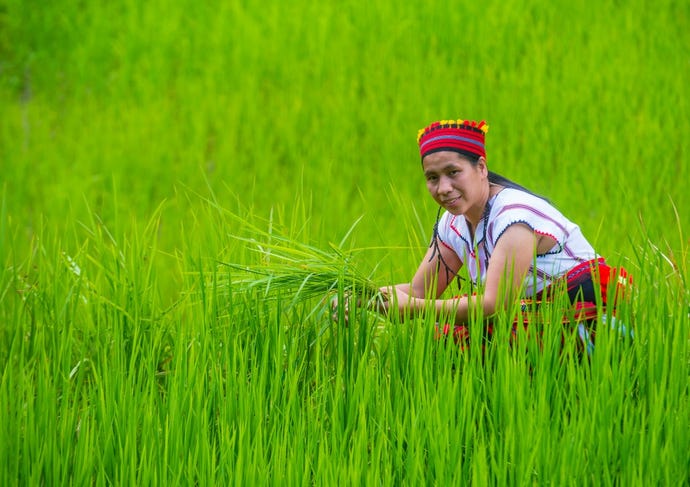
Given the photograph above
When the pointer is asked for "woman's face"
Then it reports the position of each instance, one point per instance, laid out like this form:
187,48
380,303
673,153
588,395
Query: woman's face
456,184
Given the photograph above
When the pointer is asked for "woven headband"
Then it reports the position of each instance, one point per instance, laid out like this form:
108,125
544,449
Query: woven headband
463,136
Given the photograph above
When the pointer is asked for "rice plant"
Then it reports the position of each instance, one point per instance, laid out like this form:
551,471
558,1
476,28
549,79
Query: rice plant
185,185
297,272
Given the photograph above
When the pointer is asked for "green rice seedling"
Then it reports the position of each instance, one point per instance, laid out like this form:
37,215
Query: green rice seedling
302,273
294,272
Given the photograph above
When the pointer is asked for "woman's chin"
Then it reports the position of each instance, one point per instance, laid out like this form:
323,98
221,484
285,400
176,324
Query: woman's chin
454,210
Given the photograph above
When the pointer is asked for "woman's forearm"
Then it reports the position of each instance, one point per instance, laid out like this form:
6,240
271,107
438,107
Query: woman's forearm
454,309
457,310
405,287
407,302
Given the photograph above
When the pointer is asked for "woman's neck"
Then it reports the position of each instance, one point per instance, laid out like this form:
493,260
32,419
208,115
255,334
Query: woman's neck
473,220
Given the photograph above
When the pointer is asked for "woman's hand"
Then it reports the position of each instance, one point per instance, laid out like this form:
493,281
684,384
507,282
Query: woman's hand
394,300
334,308
334,304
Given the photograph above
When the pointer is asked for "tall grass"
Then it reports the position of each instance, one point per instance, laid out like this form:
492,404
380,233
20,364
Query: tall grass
101,384
143,145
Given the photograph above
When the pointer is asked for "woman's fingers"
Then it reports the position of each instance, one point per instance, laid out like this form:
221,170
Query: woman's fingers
393,300
381,303
346,307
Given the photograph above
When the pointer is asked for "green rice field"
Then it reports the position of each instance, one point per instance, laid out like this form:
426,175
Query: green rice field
184,185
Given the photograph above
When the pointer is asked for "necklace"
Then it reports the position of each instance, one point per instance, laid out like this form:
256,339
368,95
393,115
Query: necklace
482,242
485,223
436,238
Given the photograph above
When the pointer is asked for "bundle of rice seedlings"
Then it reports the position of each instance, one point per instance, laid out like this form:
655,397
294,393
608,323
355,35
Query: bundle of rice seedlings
295,272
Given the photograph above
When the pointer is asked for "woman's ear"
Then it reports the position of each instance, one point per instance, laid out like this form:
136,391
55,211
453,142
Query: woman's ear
481,165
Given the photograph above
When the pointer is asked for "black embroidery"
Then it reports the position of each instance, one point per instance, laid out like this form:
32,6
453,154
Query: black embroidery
435,239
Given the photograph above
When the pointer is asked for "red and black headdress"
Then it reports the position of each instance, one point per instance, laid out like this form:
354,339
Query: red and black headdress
463,136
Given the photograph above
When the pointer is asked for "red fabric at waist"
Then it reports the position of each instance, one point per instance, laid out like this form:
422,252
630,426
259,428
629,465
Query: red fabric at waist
585,267
599,271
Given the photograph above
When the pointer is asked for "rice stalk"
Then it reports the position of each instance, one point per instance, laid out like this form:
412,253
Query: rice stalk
285,267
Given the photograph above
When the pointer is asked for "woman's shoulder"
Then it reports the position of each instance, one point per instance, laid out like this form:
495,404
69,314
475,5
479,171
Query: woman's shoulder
515,206
515,199
510,195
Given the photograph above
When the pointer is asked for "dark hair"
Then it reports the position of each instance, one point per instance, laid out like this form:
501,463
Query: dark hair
495,178
505,182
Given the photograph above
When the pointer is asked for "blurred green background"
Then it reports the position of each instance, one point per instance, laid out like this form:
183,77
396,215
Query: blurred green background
116,108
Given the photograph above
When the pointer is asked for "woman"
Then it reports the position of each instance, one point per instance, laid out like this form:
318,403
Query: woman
512,242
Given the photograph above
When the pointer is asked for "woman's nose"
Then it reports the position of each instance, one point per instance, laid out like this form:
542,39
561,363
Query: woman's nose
444,185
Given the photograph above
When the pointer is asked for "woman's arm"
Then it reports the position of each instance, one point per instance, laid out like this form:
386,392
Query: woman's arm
508,266
432,273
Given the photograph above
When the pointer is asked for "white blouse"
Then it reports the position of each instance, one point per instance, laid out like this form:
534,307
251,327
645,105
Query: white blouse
508,207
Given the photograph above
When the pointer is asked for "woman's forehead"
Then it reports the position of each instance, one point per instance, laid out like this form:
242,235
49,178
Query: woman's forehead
439,160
